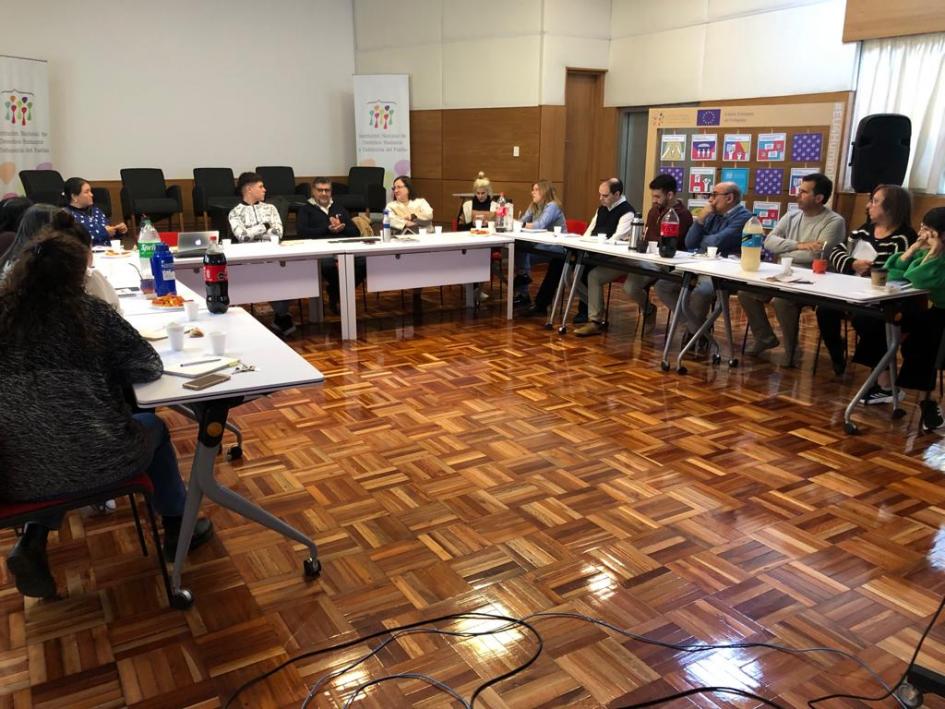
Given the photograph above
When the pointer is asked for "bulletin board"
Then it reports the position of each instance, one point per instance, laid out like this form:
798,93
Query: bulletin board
766,149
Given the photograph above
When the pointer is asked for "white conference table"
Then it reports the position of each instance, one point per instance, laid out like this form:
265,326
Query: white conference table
262,271
614,254
277,367
845,292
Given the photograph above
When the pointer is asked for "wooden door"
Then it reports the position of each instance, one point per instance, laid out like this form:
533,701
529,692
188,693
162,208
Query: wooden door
583,99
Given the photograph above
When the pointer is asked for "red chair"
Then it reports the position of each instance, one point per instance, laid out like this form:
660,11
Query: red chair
168,237
17,514
575,226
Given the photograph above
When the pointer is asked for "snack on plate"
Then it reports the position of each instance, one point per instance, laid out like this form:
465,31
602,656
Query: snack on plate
168,301
112,252
479,232
195,332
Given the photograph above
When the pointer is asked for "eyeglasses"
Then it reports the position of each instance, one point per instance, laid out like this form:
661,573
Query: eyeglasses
719,194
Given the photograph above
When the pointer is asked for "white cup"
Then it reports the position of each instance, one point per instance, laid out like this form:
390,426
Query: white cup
437,230
115,244
491,226
652,247
786,262
192,309
217,342
175,333
227,243
557,231
711,251
478,223
516,227
422,231
601,238
274,238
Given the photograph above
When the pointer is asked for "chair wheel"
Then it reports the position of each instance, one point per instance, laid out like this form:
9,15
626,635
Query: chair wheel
716,358
549,326
312,568
851,428
898,413
664,365
909,695
182,599
235,453
733,362
681,370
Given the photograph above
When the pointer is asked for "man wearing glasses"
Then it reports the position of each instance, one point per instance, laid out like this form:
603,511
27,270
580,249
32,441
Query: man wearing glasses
322,218
719,224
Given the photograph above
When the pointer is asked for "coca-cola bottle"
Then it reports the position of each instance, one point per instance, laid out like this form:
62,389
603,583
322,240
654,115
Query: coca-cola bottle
669,234
215,277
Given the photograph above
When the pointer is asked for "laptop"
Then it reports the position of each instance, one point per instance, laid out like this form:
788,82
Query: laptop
194,243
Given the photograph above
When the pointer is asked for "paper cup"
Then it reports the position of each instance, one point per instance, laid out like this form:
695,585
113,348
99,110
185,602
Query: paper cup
478,223
557,231
878,277
115,244
192,309
652,247
491,226
422,231
175,334
516,227
786,262
819,265
274,238
227,243
437,230
217,342
601,238
712,251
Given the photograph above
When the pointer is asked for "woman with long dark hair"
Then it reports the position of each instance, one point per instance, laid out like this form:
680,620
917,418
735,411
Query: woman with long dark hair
68,361
81,203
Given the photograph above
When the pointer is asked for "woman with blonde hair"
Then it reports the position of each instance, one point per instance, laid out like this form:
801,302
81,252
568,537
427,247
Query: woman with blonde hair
481,206
545,212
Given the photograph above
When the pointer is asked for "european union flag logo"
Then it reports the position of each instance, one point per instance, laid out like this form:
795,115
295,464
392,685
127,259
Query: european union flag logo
708,116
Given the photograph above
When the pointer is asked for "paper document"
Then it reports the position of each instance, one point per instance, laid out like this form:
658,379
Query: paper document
863,251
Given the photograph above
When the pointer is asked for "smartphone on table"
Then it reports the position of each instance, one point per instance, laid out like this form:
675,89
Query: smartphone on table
207,380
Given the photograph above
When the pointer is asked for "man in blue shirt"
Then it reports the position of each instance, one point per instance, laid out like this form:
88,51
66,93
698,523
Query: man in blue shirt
719,224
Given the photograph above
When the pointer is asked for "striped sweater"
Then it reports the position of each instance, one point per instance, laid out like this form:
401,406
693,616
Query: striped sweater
65,423
841,260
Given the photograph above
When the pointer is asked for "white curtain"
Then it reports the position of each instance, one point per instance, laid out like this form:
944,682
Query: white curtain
907,75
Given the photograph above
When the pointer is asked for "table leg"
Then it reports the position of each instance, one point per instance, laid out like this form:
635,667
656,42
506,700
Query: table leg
703,329
348,297
579,266
722,297
202,483
893,335
510,279
677,313
898,412
559,291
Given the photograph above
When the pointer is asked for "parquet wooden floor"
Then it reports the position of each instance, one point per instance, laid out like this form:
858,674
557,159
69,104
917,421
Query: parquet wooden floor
471,464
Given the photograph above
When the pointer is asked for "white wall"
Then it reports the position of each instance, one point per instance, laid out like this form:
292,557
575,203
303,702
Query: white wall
180,84
725,49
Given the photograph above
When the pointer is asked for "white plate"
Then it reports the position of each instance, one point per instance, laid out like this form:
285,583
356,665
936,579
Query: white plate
123,254
167,308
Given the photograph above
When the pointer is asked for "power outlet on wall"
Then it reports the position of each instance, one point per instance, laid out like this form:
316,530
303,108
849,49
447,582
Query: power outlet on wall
515,151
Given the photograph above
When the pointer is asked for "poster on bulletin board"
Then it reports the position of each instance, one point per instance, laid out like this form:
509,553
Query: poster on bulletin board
797,176
768,213
738,175
673,148
701,180
772,147
704,147
737,147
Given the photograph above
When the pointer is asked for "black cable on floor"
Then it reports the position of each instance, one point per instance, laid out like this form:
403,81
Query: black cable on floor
702,690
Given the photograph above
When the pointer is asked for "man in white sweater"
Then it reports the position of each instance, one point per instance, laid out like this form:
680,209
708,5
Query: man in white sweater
803,235
255,220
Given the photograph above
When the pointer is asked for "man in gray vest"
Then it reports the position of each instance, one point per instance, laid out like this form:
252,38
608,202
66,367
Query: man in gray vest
802,234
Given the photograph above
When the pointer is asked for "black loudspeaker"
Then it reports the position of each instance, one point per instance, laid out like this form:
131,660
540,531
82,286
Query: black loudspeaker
880,151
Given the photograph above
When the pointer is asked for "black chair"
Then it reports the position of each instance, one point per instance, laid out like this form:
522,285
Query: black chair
144,192
365,190
47,186
280,182
214,195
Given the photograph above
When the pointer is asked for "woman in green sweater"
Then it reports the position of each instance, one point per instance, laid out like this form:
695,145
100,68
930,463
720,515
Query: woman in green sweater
923,265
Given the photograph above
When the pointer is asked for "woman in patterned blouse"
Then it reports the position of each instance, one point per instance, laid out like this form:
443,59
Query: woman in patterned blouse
80,203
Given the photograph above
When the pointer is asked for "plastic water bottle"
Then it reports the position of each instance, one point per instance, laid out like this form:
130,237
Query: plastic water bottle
147,244
753,235
501,213
385,227
162,267
216,278
669,234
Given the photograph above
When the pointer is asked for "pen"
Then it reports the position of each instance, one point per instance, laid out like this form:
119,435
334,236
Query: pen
199,361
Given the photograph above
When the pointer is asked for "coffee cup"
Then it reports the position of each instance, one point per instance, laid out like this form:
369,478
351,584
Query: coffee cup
115,244
786,262
478,223
652,247
712,251
878,277
192,308
557,231
516,227
217,342
274,239
437,230
175,334
491,226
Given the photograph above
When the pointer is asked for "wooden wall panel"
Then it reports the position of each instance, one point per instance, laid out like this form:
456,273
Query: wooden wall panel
426,144
482,139
551,151
873,19
852,207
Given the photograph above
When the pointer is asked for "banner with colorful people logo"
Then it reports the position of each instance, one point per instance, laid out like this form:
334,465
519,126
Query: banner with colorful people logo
382,123
24,121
